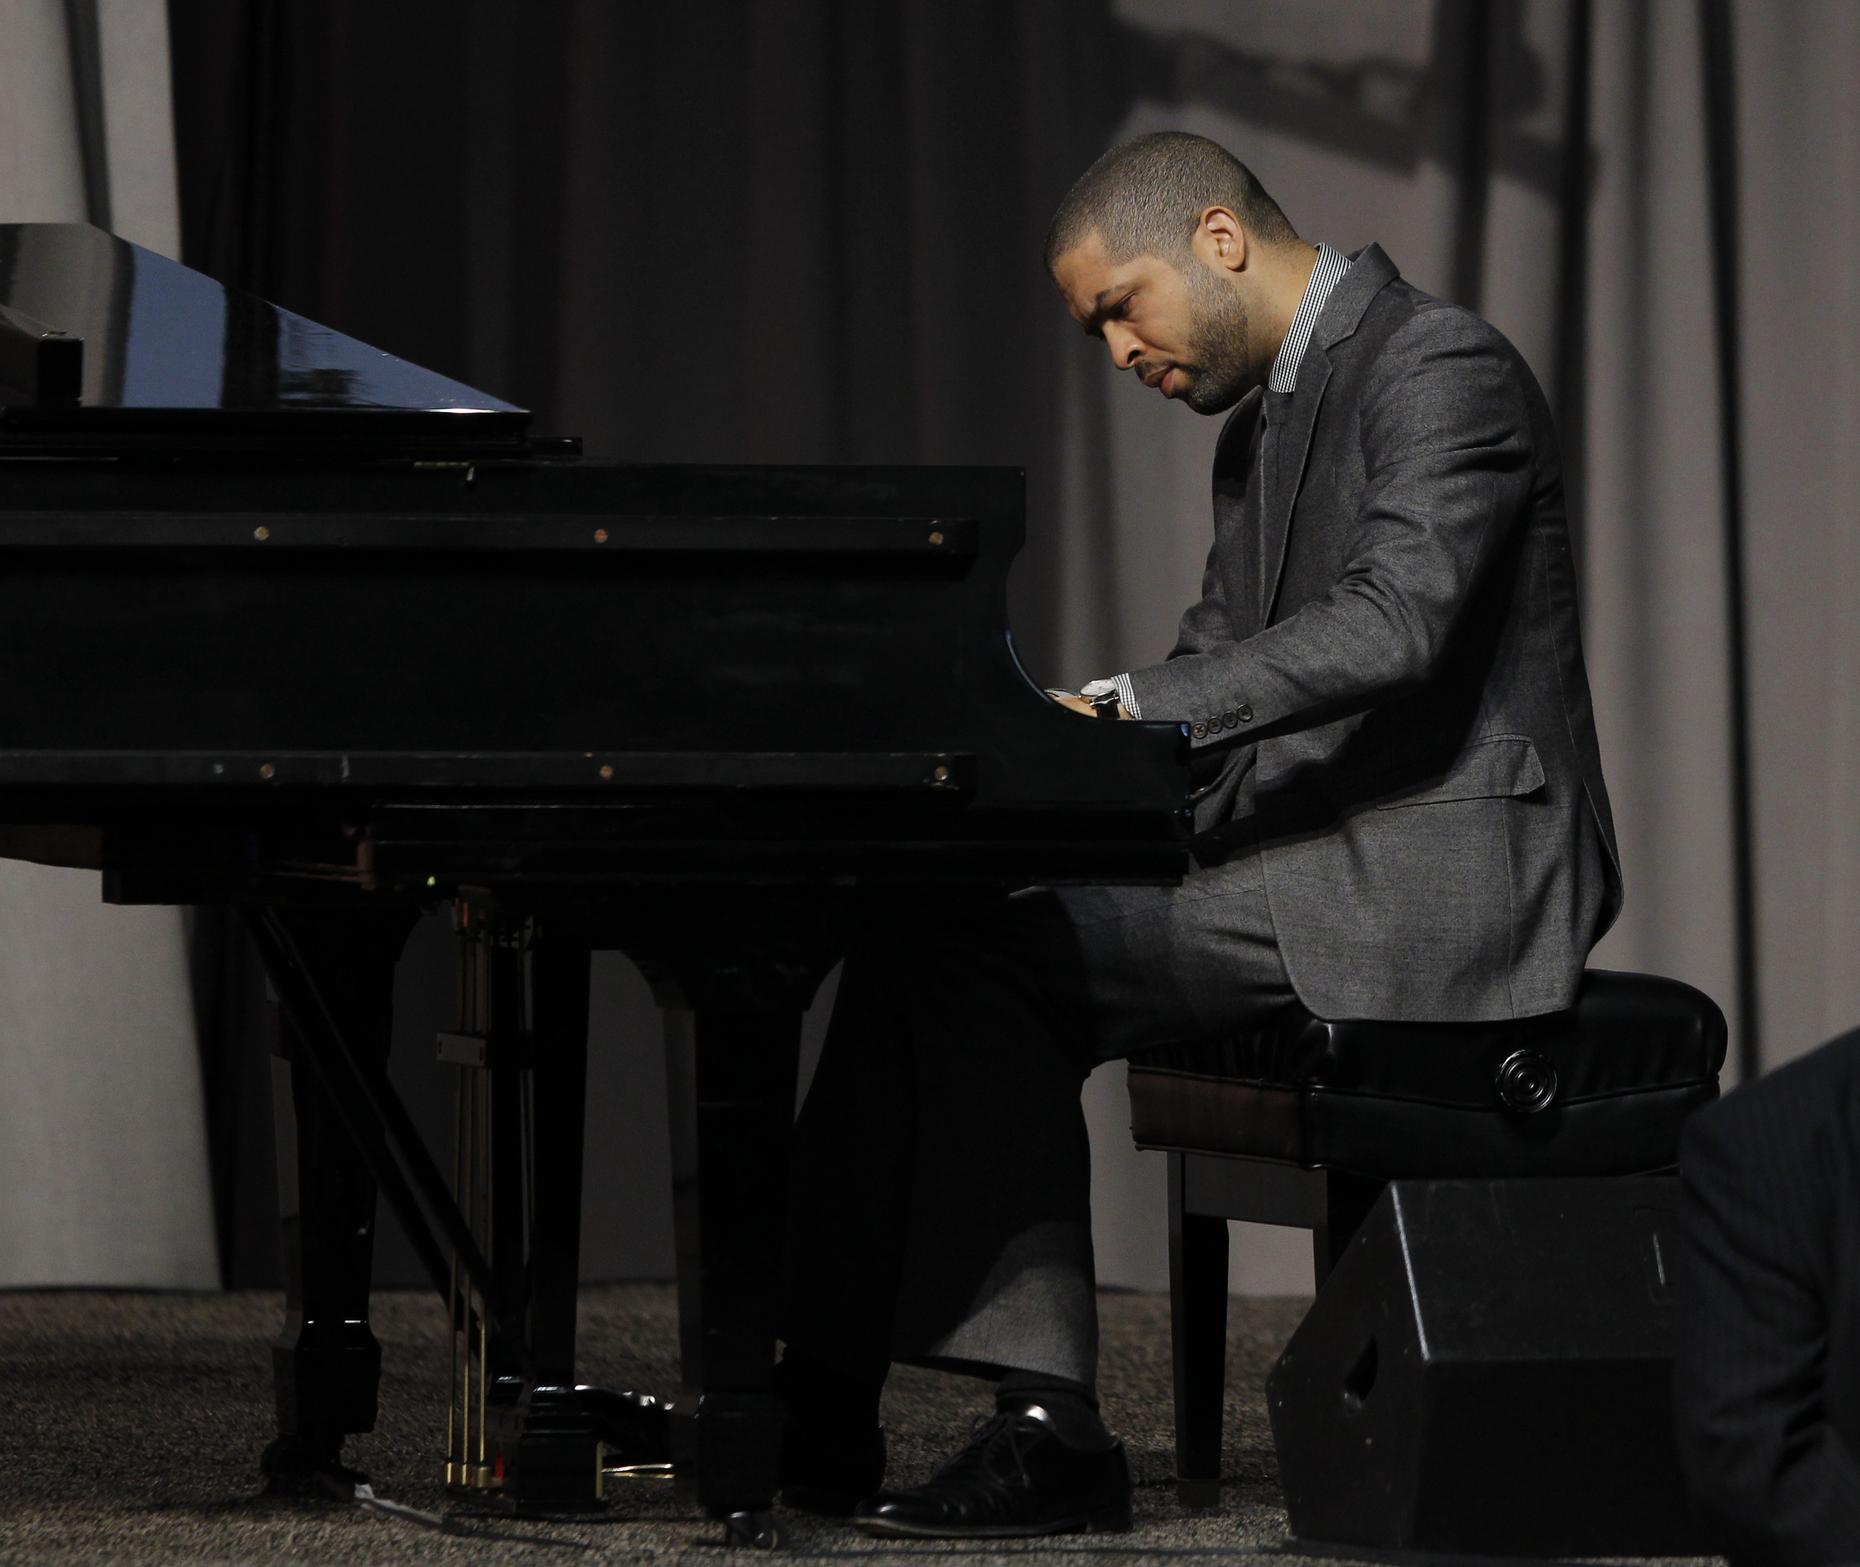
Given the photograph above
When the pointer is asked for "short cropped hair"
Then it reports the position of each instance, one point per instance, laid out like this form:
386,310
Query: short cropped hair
1146,196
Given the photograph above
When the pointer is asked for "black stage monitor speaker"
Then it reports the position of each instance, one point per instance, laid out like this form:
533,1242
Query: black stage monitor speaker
1488,1369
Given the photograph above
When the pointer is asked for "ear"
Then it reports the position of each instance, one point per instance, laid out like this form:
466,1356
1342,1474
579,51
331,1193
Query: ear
1219,240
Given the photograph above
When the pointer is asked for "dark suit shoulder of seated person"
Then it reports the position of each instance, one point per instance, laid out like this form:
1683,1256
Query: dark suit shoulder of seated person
1767,1380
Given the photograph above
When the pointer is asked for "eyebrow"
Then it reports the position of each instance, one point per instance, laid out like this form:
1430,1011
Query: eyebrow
1093,324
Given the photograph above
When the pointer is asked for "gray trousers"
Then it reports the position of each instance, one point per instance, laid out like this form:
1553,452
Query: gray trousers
940,1211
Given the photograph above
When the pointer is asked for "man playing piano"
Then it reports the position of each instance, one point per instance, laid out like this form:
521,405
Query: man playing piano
1400,814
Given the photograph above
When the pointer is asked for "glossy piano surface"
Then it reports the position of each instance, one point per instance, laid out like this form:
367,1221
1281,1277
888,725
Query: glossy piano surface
290,624
166,361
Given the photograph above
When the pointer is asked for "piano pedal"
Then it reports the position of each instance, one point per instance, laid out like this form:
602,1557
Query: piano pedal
636,1427
624,1473
554,1450
755,1530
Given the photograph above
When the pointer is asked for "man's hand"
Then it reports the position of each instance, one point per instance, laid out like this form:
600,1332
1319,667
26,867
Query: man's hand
1079,704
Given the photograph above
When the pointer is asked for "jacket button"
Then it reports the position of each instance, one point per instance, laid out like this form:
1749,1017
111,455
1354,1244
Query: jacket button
1246,714
1200,731
1231,717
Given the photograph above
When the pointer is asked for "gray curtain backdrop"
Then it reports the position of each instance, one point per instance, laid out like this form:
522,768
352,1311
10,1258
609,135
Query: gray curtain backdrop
801,230
103,1174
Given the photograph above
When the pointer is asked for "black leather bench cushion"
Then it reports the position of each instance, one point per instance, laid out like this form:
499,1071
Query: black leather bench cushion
1618,1073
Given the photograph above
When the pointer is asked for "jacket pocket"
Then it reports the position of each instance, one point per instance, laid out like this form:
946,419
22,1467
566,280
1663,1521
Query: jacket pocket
1493,768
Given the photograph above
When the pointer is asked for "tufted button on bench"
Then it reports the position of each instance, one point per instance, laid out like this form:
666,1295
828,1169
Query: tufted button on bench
1303,1123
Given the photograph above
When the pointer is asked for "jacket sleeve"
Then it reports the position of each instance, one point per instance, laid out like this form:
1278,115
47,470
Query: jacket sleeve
1447,453
1764,1465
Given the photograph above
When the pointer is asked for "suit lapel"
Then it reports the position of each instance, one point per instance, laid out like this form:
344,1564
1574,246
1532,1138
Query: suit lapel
1233,460
1233,468
1370,271
1293,444
1236,437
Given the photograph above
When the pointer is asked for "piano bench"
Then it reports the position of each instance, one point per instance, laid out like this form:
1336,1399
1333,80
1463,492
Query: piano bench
1304,1122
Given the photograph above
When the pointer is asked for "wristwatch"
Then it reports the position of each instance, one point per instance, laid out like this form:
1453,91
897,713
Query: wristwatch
1104,704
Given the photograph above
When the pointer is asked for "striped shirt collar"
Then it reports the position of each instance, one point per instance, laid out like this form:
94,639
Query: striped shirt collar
1325,276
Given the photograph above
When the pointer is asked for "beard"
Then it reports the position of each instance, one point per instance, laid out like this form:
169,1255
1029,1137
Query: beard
1217,339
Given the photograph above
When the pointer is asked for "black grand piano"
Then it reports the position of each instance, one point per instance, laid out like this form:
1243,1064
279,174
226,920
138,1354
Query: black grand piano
292,625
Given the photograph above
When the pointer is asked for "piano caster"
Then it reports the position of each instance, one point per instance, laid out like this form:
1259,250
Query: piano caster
755,1529
294,1466
1198,1495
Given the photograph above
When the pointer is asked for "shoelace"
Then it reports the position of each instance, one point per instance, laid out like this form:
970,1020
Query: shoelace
980,1466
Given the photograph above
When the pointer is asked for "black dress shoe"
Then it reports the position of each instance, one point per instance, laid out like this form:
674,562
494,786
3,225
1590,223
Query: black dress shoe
1016,1477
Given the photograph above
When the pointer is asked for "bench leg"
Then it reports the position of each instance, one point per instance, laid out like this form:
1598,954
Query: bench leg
1347,1201
1198,1324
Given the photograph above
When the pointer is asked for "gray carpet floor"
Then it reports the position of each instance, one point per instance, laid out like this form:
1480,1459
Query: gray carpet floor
133,1425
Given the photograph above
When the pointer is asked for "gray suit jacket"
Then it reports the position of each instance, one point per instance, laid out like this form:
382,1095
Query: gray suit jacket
1384,674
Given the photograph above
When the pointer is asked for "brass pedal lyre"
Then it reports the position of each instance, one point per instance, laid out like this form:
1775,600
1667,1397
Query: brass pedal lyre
493,1008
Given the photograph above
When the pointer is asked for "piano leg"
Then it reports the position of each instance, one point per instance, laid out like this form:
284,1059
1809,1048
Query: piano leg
732,1080
326,1363
559,1013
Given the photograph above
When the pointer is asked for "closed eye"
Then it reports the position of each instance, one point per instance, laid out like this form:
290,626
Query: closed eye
1119,310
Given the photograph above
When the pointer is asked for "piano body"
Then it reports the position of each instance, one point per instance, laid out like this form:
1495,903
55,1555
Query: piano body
295,626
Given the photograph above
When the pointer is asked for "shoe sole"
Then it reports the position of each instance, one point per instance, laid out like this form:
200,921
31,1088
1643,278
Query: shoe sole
1111,1520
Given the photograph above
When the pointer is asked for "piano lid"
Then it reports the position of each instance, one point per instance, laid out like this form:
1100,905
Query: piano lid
110,349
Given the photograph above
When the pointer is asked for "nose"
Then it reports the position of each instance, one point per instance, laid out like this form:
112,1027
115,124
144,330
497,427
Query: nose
1125,346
